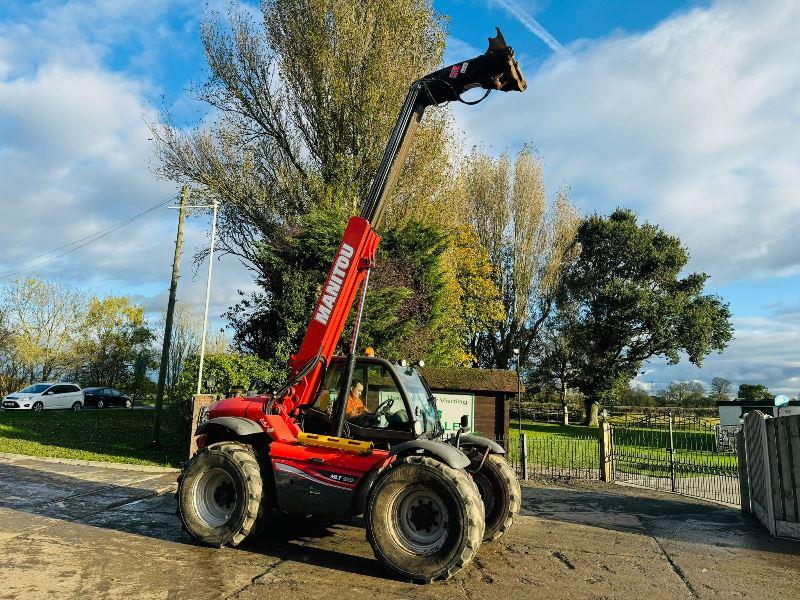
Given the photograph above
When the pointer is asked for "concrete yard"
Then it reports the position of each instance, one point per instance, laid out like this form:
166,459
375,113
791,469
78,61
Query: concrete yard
70,530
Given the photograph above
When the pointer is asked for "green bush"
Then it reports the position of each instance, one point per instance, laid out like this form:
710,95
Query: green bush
227,371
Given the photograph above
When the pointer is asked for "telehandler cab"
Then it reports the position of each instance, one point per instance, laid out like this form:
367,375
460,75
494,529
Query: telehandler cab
316,447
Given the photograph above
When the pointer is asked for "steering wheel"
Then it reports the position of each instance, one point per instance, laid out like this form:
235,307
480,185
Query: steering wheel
384,406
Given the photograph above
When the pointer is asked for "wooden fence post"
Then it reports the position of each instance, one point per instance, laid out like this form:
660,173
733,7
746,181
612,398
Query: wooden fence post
744,483
606,470
523,457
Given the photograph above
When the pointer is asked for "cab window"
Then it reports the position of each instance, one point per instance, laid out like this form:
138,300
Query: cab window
374,400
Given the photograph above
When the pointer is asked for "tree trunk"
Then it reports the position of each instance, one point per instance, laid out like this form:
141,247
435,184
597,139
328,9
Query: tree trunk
592,413
564,407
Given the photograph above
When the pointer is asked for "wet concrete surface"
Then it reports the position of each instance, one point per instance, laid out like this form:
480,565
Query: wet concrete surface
88,531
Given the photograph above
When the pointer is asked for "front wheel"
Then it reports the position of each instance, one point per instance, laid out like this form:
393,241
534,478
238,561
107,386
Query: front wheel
37,407
76,406
424,519
500,492
100,403
220,495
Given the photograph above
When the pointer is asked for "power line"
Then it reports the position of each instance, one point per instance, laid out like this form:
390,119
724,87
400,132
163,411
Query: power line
84,241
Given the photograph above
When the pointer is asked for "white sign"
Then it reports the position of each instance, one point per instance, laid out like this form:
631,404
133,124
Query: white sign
452,407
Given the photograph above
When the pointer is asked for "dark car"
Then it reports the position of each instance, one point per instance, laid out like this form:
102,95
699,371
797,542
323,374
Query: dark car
101,397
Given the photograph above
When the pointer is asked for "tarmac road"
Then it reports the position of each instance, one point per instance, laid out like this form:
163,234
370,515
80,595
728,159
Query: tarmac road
70,530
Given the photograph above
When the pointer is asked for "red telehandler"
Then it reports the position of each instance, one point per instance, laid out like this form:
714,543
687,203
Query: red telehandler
318,447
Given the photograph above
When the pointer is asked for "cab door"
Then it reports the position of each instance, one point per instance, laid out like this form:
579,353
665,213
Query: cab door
388,419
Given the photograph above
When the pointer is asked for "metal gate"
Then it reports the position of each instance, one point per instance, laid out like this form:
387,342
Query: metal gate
674,454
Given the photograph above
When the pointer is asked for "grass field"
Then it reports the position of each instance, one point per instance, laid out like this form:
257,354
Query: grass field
121,436
641,450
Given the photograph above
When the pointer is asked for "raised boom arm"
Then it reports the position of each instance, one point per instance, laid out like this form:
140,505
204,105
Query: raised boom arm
495,69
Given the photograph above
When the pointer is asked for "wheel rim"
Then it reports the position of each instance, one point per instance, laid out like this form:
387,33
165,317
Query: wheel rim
128,404
100,404
215,497
420,520
38,407
76,406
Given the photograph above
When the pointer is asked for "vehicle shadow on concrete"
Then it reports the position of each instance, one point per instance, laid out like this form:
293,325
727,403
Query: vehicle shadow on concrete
137,503
636,510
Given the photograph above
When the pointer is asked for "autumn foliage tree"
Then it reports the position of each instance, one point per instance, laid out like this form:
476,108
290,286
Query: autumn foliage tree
527,239
111,335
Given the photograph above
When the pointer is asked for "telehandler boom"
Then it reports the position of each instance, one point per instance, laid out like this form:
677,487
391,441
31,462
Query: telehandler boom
427,503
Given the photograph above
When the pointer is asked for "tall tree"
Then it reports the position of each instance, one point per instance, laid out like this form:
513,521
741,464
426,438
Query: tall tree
304,103
557,359
527,241
720,389
632,304
12,372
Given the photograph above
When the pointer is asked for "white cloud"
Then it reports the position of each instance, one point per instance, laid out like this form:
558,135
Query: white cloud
76,156
693,123
764,351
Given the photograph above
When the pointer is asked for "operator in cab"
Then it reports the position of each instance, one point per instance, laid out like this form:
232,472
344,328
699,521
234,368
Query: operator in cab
355,405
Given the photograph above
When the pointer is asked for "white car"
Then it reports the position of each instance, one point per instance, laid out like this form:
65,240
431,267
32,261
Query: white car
41,396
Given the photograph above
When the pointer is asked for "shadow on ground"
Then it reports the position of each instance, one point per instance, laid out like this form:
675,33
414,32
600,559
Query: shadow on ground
146,508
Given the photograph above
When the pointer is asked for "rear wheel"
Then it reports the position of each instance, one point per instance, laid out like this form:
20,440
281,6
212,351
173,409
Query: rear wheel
424,519
499,490
128,403
220,495
76,406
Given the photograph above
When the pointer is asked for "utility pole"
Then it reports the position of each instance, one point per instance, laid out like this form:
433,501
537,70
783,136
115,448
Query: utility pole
173,289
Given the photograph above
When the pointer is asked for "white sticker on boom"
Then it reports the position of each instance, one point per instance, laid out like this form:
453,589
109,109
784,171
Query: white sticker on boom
464,67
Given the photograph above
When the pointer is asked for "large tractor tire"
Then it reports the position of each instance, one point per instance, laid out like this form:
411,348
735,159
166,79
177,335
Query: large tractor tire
220,495
424,519
500,492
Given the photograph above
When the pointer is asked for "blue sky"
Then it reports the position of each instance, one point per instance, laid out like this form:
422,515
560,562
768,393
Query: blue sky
685,111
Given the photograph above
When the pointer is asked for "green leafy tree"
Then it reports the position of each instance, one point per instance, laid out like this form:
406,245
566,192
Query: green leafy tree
113,336
635,395
557,358
413,300
481,305
226,371
632,304
754,392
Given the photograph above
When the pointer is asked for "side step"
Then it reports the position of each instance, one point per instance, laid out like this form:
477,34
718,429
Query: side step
336,443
